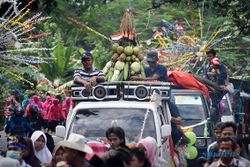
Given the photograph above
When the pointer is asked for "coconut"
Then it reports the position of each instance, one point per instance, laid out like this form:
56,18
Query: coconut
128,50
114,57
122,57
114,47
136,50
133,57
140,57
120,49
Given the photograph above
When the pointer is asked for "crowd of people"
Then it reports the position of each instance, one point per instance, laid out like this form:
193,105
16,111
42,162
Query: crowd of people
76,152
227,150
22,118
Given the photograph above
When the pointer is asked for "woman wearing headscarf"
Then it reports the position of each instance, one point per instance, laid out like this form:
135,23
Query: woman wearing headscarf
47,103
29,155
57,156
149,145
36,102
67,106
42,152
46,106
54,114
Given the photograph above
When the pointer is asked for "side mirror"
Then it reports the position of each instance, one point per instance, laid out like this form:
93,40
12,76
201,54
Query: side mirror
60,131
165,131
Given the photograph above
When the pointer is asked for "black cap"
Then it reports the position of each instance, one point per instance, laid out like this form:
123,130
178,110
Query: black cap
152,56
87,55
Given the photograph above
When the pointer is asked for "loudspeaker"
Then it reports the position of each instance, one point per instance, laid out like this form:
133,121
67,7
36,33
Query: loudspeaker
99,92
144,92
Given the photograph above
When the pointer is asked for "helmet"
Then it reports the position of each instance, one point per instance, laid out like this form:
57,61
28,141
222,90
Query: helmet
216,61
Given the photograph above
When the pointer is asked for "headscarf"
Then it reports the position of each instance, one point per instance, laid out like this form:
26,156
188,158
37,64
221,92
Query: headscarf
67,106
36,102
54,113
53,162
150,145
47,103
43,155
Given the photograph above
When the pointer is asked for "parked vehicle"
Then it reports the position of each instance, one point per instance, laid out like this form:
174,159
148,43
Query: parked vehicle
194,111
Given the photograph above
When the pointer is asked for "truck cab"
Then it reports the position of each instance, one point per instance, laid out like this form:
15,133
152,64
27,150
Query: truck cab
140,109
194,111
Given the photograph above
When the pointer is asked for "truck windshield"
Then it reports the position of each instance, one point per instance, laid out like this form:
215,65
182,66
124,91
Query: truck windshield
190,107
93,123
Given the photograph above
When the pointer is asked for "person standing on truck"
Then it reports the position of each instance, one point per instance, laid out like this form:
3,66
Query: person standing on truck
88,76
215,70
154,71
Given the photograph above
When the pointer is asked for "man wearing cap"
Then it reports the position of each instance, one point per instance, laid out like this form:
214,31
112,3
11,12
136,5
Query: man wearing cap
155,71
75,150
88,76
15,147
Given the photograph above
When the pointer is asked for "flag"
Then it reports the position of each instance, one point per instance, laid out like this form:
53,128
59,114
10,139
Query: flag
116,37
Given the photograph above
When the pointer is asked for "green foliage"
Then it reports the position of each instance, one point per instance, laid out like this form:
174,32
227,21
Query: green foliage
101,55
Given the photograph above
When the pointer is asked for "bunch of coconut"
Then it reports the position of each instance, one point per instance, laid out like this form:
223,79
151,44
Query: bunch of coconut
125,62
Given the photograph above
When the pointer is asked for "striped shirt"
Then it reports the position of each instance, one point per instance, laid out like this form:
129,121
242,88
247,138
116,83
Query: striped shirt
86,76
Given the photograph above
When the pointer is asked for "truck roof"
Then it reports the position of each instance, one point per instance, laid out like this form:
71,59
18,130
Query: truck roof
116,104
185,91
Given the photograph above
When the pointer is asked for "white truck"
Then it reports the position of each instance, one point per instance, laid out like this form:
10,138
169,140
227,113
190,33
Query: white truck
141,109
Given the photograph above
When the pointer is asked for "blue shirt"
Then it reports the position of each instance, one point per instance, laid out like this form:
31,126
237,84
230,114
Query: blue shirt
159,70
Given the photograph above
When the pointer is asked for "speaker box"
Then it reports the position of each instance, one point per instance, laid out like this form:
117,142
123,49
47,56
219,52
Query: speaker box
144,91
98,93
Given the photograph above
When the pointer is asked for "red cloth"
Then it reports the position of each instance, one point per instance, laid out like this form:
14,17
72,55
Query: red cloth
67,105
98,149
187,81
54,112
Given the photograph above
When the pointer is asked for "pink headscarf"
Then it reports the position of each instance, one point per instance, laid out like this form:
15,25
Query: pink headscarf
149,143
67,106
35,100
47,103
54,112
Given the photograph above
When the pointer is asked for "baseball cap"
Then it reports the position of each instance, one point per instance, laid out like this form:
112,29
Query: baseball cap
87,55
152,56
